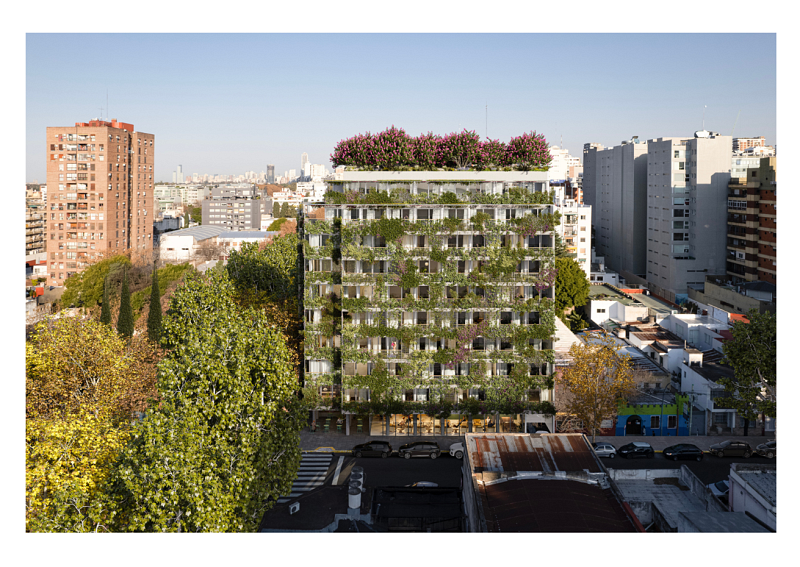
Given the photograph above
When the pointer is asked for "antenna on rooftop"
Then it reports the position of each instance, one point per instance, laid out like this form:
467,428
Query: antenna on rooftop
486,132
736,121
704,117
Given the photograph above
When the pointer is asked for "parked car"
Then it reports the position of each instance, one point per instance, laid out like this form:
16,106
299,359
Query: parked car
719,489
605,450
419,449
373,449
423,484
636,449
731,449
766,449
683,451
457,450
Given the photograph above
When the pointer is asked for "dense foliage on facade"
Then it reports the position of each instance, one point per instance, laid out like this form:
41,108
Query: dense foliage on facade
431,296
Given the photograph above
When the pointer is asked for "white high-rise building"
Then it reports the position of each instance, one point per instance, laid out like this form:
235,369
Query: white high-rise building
561,163
303,161
660,209
179,174
575,229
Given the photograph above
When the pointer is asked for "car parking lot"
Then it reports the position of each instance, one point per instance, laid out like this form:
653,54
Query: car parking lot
395,471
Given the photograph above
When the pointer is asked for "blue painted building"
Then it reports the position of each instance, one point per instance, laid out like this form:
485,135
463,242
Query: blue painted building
657,414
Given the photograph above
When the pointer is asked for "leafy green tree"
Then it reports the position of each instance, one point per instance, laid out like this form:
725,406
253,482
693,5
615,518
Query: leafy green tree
271,268
572,286
276,224
105,311
285,210
154,312
87,286
224,442
196,214
561,248
753,355
125,317
276,210
82,383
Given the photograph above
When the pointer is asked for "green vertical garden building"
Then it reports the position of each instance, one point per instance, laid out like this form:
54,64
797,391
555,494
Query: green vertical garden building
429,303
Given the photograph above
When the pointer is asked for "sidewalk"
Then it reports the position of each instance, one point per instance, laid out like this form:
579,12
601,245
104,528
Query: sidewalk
340,442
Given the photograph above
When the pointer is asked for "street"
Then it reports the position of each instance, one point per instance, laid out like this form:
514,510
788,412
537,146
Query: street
394,471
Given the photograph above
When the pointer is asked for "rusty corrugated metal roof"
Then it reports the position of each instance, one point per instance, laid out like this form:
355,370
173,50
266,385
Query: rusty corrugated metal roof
520,452
527,505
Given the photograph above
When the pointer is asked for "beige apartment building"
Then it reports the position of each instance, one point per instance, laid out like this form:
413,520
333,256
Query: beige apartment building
100,194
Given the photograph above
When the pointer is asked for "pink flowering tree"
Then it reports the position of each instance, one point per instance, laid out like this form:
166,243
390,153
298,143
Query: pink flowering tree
529,151
354,151
427,151
391,148
493,153
461,149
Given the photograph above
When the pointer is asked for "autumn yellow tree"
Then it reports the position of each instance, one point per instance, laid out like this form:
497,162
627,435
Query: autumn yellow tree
596,381
82,384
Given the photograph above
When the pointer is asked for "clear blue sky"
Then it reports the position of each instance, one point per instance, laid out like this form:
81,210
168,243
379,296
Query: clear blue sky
228,103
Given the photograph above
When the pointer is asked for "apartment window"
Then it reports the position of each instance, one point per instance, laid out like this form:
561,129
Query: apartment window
655,421
672,422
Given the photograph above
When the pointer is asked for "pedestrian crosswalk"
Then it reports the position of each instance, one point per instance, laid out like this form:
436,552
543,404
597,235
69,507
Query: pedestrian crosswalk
311,474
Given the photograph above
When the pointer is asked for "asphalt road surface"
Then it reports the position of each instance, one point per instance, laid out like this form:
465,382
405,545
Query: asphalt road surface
710,469
394,471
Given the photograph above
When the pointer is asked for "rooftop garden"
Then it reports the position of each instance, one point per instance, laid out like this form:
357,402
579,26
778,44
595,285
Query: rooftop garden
394,150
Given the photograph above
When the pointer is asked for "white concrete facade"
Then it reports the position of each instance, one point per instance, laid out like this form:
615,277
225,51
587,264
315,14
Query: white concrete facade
687,191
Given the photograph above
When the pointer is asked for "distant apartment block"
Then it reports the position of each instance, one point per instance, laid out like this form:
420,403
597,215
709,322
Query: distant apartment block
659,209
234,207
100,176
741,144
752,236
575,229
615,187
270,173
35,221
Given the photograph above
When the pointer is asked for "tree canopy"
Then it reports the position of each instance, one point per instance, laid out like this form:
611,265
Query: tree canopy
125,317
595,382
82,384
223,443
572,286
753,355
87,286
270,268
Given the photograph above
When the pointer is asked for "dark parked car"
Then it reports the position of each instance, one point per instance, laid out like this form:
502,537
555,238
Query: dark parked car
419,449
683,451
731,449
373,449
636,449
767,449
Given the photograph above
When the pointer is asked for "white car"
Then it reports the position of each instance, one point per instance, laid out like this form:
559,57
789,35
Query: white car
457,450
719,489
605,450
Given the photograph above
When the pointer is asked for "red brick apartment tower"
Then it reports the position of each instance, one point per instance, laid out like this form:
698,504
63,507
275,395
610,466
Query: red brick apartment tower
101,201
767,219
752,242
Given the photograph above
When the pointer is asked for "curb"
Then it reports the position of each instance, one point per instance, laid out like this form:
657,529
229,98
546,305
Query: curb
325,450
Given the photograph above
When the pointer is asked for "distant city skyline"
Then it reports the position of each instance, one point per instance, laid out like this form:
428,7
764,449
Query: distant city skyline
243,119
